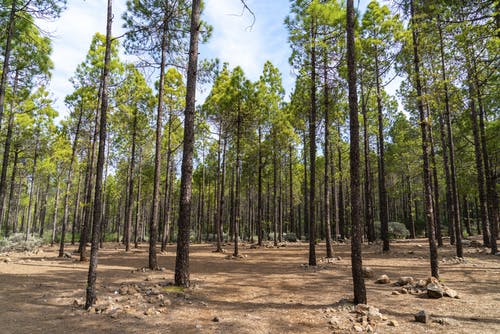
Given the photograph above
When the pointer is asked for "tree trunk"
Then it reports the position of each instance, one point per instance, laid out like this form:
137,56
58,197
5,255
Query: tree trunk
76,210
54,217
138,204
68,185
182,258
312,151
97,220
367,184
326,195
357,228
130,197
11,194
6,58
153,227
451,149
238,176
479,164
32,185
424,124
382,191
259,190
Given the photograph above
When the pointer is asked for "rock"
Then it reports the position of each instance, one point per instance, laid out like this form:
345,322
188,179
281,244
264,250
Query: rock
446,322
123,290
395,293
358,329
450,293
198,326
421,284
369,329
383,279
411,252
368,272
361,309
68,255
374,314
434,290
7,260
431,280
339,258
405,280
466,243
392,323
216,319
403,291
334,321
150,311
422,316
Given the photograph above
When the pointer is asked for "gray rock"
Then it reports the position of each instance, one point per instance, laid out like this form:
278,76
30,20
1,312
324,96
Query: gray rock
405,280
383,279
374,314
392,323
435,290
368,272
422,316
450,293
446,322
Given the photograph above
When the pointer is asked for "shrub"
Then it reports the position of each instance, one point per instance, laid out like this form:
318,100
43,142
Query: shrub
290,237
397,230
18,243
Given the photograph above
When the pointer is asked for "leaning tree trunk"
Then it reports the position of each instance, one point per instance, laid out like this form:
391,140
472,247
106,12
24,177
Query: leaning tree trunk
357,228
182,258
97,220
424,127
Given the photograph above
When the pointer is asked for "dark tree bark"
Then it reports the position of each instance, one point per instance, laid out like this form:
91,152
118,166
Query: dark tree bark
312,151
435,187
182,258
97,220
237,216
410,210
357,227
130,196
326,195
32,187
6,57
69,180
275,195
153,226
290,171
11,194
490,178
76,210
138,204
382,191
455,208
341,224
479,163
259,190
367,180
424,127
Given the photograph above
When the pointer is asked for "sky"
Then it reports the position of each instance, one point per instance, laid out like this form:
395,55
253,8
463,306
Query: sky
234,40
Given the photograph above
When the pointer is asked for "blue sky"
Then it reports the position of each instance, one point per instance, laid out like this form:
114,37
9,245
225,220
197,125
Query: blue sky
232,40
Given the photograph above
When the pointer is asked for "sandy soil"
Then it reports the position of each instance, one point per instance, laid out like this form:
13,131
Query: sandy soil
268,290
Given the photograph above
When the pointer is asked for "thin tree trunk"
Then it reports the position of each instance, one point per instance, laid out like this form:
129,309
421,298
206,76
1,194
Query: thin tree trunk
326,195
97,220
6,58
259,190
312,151
182,258
68,185
32,185
451,148
138,203
382,191
54,217
76,210
238,176
11,194
130,199
357,228
425,150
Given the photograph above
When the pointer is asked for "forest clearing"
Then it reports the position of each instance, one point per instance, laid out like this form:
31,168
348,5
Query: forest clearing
266,290
209,166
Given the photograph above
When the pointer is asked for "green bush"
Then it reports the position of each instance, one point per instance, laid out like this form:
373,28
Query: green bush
18,243
397,230
290,237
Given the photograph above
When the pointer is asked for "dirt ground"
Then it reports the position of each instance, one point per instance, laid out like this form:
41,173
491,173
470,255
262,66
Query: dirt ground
268,290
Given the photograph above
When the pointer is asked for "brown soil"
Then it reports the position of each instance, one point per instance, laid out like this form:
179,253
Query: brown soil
268,290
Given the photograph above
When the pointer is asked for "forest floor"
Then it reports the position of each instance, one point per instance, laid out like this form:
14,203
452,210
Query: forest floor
267,290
